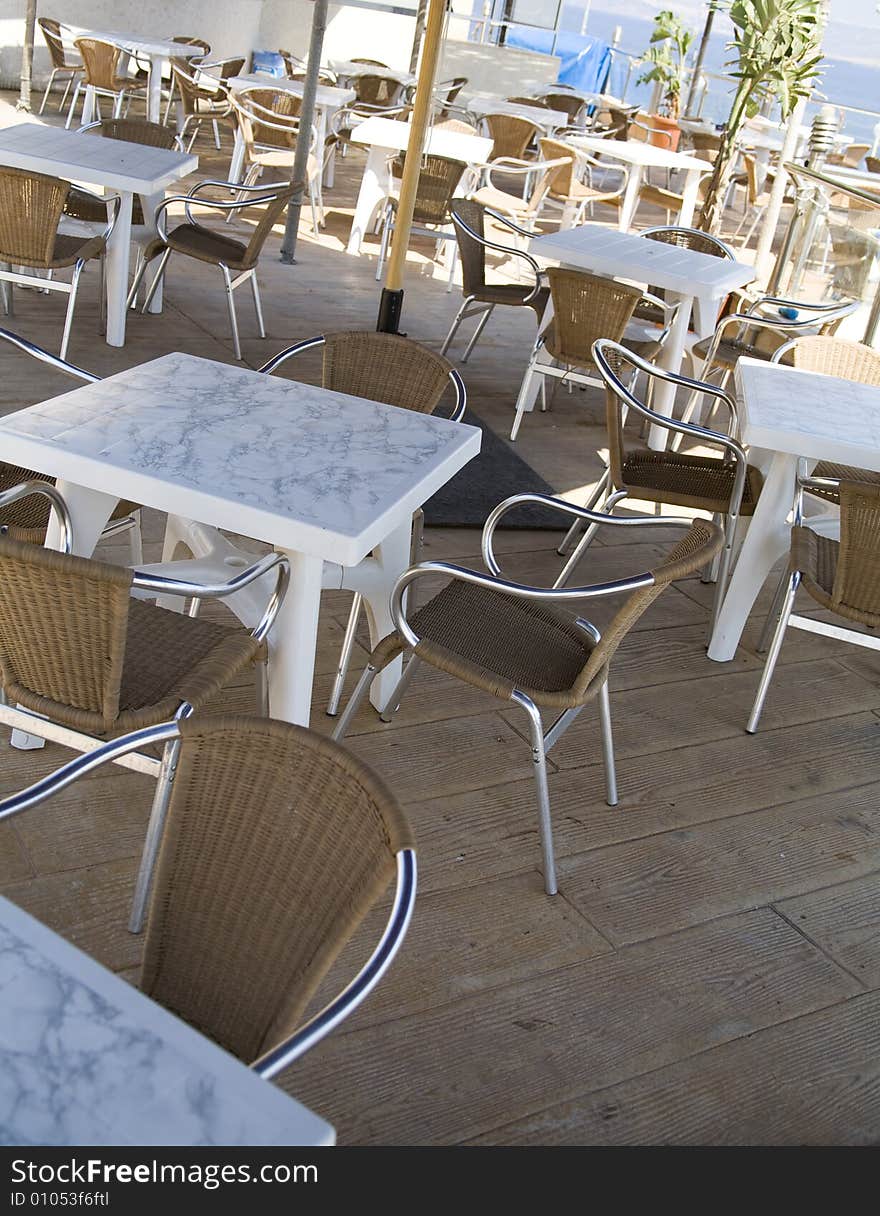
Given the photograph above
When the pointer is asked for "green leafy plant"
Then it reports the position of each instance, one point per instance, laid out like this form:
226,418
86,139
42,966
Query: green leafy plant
777,45
667,59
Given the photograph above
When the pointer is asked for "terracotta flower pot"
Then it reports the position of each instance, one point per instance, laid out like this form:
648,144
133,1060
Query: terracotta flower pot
661,127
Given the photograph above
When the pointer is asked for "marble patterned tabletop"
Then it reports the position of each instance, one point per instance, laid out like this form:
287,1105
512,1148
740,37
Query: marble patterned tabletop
85,1058
309,470
808,414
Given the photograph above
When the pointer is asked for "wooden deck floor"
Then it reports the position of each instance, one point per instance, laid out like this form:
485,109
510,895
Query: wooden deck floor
710,970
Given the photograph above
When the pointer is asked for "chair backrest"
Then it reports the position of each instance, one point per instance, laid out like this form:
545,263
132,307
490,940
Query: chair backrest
138,131
560,182
690,238
510,135
833,357
376,90
586,307
438,178
446,92
63,627
374,63
226,69
540,102
277,844
472,253
692,552
706,144
188,40
458,125
565,103
385,367
272,105
101,63
30,209
270,215
57,50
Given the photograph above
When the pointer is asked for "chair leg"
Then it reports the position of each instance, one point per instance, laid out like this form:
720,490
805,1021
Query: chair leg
794,580
393,704
383,246
136,541
361,689
72,110
475,336
723,568
155,828
258,304
530,373
71,304
230,304
539,762
157,278
608,746
587,539
345,655
773,614
216,134
453,329
46,94
600,491
262,681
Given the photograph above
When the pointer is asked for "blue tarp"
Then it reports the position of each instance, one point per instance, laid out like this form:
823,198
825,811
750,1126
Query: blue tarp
586,60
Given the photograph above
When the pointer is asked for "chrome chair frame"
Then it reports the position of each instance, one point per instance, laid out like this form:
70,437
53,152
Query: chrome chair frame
119,98
52,284
163,770
255,113
541,740
352,995
470,306
73,69
439,234
230,284
354,615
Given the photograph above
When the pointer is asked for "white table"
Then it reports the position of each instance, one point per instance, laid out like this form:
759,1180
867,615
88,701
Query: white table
346,70
85,1058
157,50
327,101
326,478
697,281
483,104
116,166
384,137
639,156
786,415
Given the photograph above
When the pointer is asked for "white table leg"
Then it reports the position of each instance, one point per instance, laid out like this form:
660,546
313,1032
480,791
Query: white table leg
236,165
88,110
689,197
292,642
373,188
116,272
154,91
630,198
392,556
670,357
766,541
149,203
330,169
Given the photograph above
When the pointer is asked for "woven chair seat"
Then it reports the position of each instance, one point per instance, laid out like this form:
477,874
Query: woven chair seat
206,244
500,200
729,350
580,192
28,519
701,482
498,643
514,293
67,251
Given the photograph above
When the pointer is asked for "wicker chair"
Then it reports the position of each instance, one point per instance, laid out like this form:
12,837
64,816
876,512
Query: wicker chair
376,92
82,204
565,189
371,63
81,658
31,206
510,136
438,178
445,93
204,97
64,61
569,104
520,644
27,519
585,307
480,297
396,371
102,77
725,486
841,576
232,256
524,211
872,164
247,915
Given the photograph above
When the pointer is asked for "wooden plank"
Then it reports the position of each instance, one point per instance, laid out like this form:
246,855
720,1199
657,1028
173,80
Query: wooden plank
845,921
640,889
14,861
812,1080
480,1061
477,834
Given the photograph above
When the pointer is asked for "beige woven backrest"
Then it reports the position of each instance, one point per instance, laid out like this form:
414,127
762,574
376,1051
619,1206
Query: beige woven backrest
510,135
706,145
52,33
836,357
277,843
276,106
385,367
101,62
376,90
30,209
564,103
560,179
692,552
586,308
872,164
539,102
63,623
270,214
138,131
374,63
438,178
471,253
457,125
857,577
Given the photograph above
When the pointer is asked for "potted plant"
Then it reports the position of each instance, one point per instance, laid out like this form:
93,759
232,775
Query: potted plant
666,58
777,44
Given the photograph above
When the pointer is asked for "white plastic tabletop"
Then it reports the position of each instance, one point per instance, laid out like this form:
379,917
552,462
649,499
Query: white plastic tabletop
393,135
637,152
345,67
326,95
483,104
137,42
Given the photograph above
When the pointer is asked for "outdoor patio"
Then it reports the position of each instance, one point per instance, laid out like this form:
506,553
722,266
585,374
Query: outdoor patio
710,969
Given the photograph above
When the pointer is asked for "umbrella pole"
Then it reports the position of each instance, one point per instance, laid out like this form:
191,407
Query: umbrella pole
299,173
391,302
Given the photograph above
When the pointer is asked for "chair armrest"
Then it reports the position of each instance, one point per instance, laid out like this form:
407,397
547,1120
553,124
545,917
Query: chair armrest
30,348
510,250
217,204
162,584
43,489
